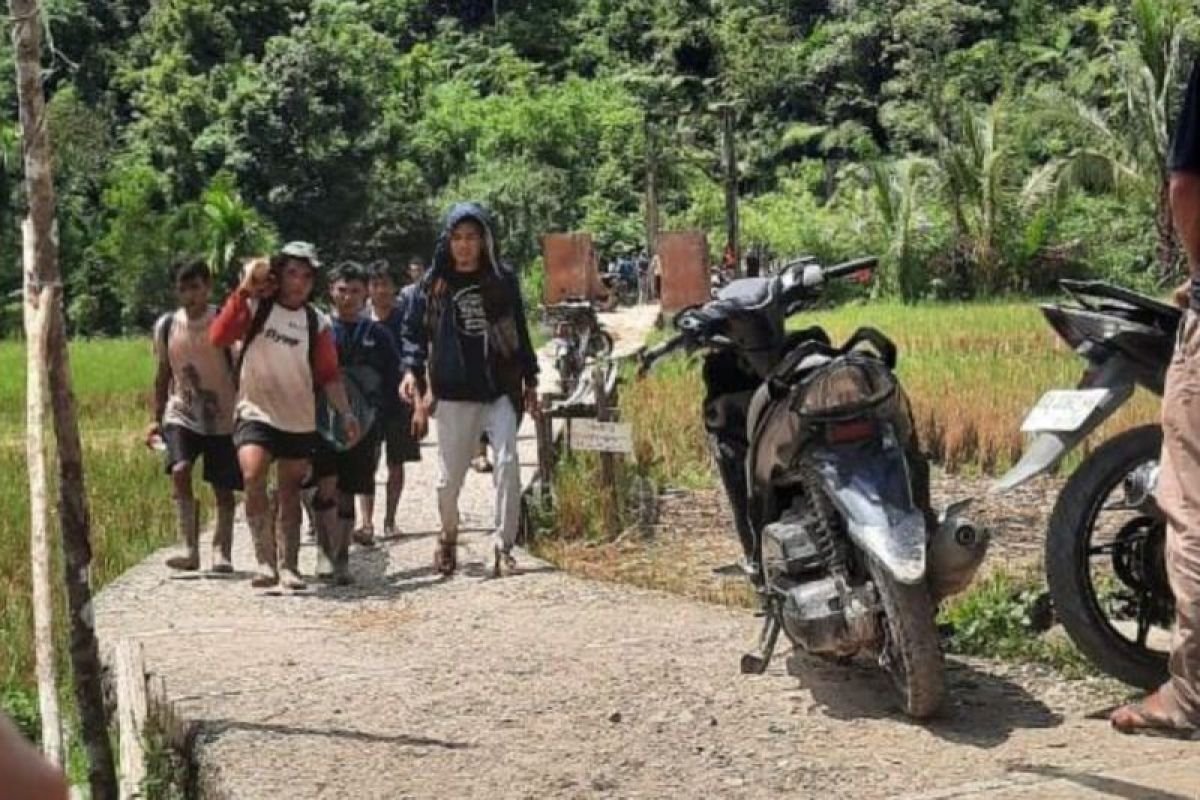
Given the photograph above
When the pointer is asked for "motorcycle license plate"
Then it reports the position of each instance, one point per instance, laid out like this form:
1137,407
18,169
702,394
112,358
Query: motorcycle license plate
1063,410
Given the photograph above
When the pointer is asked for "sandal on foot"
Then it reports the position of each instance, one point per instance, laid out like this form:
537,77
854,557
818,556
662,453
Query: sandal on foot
364,537
505,564
1148,717
481,464
445,558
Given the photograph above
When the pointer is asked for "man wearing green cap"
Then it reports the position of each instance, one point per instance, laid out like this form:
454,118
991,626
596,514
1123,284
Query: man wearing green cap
288,353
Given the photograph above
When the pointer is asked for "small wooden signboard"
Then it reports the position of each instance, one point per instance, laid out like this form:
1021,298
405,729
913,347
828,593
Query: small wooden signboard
601,437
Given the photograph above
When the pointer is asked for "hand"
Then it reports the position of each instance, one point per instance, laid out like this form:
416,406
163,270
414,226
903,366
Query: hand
532,406
408,389
1182,296
419,427
257,278
353,429
153,431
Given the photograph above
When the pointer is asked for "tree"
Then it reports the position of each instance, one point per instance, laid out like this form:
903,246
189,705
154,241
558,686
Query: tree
44,284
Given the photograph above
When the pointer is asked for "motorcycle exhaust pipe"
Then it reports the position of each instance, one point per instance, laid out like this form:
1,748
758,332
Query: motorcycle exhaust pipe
956,550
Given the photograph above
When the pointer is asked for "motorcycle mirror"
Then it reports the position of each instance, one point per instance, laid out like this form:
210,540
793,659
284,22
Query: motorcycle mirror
813,276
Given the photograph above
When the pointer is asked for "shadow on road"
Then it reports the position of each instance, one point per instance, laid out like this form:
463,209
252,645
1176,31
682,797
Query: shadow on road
982,709
223,725
1110,787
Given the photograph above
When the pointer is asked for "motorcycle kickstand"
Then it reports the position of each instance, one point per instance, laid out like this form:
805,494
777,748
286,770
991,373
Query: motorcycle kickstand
755,663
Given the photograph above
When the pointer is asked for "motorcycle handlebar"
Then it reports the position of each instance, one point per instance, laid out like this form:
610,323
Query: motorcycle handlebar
851,267
648,357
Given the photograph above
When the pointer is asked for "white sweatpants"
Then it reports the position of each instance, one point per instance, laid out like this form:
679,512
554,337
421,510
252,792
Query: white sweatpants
459,426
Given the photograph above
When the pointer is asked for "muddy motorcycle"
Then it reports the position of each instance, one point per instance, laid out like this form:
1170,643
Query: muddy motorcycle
578,337
815,449
1105,545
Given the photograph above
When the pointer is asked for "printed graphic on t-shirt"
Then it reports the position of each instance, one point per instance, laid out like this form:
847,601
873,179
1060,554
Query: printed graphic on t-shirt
202,388
468,311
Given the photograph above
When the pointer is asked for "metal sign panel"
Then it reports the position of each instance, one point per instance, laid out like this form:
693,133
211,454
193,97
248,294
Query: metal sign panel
601,437
685,278
570,263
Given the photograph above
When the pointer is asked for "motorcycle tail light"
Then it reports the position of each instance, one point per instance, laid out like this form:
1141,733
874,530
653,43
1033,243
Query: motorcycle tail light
858,430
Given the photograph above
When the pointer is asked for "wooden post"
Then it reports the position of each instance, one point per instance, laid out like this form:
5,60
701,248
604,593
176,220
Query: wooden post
543,426
42,275
731,187
37,319
651,189
132,708
605,412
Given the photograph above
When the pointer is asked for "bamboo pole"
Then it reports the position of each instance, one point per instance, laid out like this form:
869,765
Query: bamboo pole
36,332
42,276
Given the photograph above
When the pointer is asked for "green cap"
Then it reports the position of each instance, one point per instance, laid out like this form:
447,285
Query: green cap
304,251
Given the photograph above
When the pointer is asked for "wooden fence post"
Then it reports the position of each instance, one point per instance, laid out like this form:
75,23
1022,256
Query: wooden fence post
606,398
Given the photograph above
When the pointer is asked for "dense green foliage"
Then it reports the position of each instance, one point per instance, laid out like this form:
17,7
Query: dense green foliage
981,145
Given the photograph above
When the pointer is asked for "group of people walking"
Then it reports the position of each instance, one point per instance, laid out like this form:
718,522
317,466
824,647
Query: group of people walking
270,384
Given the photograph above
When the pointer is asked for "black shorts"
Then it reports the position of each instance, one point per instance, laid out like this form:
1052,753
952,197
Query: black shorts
221,468
354,468
1185,145
280,444
397,437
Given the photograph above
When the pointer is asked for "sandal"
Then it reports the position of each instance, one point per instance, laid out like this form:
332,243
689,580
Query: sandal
481,464
1149,717
445,558
505,564
364,536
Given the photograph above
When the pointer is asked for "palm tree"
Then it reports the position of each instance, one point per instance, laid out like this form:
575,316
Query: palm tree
896,189
1125,147
231,226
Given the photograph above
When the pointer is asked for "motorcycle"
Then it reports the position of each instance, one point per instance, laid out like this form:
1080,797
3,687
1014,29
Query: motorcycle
1105,544
622,290
578,337
816,451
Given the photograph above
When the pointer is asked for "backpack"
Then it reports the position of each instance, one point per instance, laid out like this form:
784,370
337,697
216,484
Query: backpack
363,386
259,322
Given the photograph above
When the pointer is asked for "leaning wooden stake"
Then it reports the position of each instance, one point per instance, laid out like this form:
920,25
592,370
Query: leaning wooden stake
42,276
36,329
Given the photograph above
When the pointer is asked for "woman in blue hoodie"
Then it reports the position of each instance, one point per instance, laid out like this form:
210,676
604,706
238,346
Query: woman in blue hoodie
468,328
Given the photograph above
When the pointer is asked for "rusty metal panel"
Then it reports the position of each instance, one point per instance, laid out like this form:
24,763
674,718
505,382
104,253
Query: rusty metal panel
685,279
570,263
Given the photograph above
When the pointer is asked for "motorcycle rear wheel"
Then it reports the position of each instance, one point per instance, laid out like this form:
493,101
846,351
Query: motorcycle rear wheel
912,654
1069,542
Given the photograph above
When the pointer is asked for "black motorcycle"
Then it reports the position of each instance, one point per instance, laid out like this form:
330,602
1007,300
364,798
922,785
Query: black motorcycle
817,454
1105,545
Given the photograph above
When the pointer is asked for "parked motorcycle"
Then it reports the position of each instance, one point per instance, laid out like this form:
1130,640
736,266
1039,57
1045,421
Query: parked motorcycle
1105,545
622,289
817,454
578,337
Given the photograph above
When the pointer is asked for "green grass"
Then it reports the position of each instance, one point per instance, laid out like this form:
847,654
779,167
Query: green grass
129,496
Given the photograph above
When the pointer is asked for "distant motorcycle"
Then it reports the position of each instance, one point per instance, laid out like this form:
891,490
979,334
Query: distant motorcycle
622,289
1105,545
578,337
815,448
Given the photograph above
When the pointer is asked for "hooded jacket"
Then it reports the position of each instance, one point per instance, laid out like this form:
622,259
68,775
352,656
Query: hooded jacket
432,338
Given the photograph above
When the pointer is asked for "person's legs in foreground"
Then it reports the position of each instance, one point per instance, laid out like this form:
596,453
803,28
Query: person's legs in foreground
290,473
222,473
501,426
459,427
255,461
188,517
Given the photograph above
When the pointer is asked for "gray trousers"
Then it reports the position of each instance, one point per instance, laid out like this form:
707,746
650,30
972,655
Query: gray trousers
459,426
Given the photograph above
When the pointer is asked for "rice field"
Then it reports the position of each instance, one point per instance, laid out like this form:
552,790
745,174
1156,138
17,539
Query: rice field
131,511
972,372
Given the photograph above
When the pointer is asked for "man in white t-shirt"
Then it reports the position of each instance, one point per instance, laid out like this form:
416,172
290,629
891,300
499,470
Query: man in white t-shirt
288,353
193,414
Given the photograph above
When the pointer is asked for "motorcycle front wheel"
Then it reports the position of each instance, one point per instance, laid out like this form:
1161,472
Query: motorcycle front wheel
600,345
911,653
1105,563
